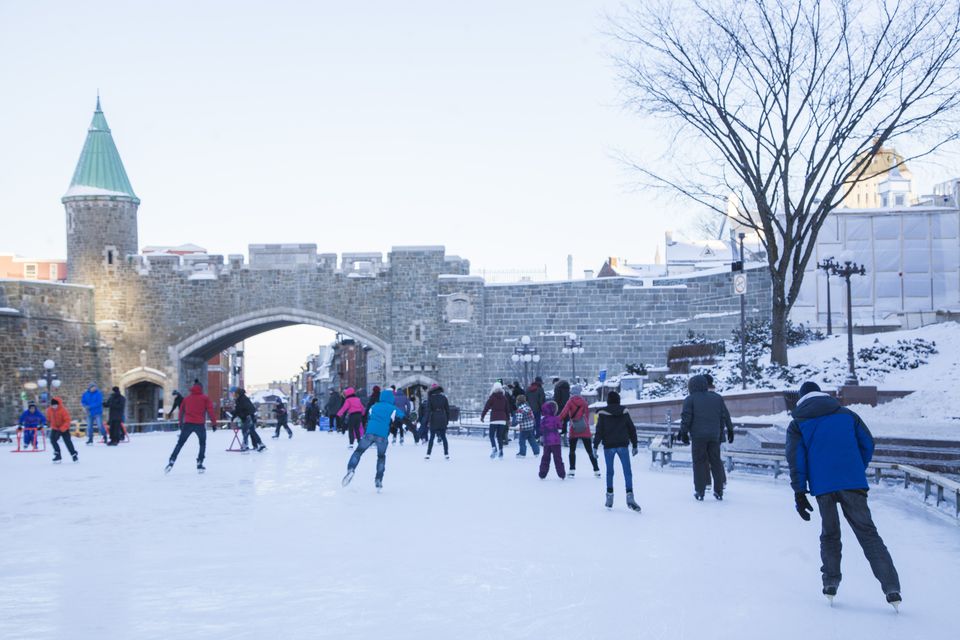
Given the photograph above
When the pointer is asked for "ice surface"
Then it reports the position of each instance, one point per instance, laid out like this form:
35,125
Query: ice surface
270,546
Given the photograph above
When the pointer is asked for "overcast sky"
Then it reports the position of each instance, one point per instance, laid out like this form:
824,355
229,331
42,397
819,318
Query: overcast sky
489,127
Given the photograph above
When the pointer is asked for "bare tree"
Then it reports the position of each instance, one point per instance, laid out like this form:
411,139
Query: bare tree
785,103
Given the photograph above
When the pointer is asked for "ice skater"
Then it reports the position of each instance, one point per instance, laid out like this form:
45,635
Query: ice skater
576,419
523,421
92,401
246,413
436,417
351,412
59,419
828,449
379,418
550,426
116,410
194,408
282,416
703,419
615,431
29,424
498,407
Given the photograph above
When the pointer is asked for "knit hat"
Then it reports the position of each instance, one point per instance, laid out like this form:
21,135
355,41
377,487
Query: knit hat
613,398
576,390
808,387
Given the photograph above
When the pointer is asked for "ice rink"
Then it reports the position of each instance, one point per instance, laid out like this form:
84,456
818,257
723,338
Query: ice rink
271,546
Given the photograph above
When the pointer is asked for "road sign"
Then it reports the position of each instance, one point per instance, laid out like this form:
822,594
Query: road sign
603,375
740,284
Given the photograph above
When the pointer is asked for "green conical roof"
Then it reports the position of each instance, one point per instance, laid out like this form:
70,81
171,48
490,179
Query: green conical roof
100,171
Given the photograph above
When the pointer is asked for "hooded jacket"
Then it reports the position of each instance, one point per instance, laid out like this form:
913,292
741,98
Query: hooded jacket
497,406
195,405
244,407
437,415
402,403
333,404
381,415
92,401
615,428
550,425
704,414
58,418
535,396
577,408
561,395
828,446
312,414
351,403
31,420
116,404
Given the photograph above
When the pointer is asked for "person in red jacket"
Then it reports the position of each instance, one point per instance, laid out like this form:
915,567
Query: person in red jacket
59,420
576,414
499,409
193,411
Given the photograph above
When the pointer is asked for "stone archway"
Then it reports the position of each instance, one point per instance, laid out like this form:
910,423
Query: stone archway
145,389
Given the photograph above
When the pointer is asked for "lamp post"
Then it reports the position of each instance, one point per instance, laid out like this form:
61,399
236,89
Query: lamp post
526,354
49,381
573,345
743,323
828,265
849,269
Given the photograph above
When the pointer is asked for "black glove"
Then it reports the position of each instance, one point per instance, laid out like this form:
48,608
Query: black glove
635,450
684,437
804,508
730,436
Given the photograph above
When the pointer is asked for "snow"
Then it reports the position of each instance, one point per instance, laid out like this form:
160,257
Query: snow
82,190
270,545
9,311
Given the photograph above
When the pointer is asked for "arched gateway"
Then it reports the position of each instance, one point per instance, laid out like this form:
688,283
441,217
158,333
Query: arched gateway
151,321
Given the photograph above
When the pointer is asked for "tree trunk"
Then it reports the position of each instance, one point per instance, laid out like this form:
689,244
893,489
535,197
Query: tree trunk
778,330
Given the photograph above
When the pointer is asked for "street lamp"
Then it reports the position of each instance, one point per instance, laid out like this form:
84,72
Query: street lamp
526,354
573,345
49,381
849,269
743,323
828,265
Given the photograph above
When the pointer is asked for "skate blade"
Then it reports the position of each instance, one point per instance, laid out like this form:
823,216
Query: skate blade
830,599
896,606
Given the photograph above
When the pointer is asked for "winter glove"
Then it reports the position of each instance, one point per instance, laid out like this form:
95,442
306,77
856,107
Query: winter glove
804,508
684,437
635,450
730,436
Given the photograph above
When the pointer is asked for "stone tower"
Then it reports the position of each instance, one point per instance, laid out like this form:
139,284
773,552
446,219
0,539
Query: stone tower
101,210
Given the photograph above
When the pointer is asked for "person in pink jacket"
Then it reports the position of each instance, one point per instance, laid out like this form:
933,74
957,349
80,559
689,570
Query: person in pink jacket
577,412
550,426
353,409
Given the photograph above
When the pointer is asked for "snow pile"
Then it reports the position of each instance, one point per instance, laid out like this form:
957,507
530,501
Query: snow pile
271,546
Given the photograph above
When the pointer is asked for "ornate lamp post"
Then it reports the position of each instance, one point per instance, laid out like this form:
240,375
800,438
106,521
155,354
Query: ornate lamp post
573,345
828,265
526,354
49,381
849,269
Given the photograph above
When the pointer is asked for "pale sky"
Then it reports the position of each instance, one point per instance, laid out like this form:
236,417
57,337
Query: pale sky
488,127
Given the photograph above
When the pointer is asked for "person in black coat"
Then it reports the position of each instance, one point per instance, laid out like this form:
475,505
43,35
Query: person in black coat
283,420
334,402
561,395
616,431
702,420
247,413
116,406
177,399
312,415
436,416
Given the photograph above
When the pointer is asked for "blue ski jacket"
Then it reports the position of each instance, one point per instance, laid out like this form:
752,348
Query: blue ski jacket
381,415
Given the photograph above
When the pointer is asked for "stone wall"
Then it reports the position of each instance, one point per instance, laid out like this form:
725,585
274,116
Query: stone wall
40,321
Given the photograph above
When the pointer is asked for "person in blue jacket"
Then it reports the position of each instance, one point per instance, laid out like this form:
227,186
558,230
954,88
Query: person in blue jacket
30,420
379,419
92,401
828,450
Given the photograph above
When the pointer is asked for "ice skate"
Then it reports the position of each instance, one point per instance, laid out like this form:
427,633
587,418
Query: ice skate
571,474
718,495
200,467
831,593
609,502
493,454
262,447
347,478
596,474
500,454
275,437
290,436
378,484
698,496
168,468
56,459
631,503
894,600
75,457
447,457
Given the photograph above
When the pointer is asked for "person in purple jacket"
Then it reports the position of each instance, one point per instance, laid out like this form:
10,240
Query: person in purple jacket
550,426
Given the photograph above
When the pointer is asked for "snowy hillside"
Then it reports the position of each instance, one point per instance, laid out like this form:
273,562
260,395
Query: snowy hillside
271,546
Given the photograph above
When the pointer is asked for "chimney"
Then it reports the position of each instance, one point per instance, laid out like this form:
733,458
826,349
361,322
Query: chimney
569,266
588,274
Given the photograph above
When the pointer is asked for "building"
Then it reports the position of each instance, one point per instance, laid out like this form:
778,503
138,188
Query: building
887,182
224,372
19,268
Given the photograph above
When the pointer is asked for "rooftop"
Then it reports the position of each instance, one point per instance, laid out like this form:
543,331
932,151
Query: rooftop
99,171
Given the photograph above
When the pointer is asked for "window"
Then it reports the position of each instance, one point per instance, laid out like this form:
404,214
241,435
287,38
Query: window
898,200
53,272
109,257
30,271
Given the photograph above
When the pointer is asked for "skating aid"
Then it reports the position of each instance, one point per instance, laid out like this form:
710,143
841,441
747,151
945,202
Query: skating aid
38,435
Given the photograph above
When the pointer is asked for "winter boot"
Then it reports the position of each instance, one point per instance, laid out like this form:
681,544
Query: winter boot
200,467
347,478
831,593
169,467
894,599
56,459
631,502
75,457
609,502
